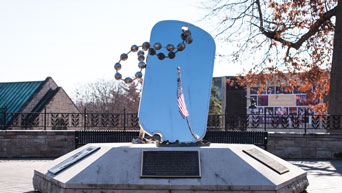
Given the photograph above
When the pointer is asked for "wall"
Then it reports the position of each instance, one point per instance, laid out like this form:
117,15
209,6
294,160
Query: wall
61,103
52,144
309,146
48,84
35,144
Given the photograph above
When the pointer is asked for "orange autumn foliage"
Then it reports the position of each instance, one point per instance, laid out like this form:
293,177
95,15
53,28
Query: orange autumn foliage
292,42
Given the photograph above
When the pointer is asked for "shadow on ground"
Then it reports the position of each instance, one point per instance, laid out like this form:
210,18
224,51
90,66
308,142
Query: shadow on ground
320,168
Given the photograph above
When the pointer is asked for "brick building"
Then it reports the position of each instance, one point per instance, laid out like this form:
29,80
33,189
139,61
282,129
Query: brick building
32,97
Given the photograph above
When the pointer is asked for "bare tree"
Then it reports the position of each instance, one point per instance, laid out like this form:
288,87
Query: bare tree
108,96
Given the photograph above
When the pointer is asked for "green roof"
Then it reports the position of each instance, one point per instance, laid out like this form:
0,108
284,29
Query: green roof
13,95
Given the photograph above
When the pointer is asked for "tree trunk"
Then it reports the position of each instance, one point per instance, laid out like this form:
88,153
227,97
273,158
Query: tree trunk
335,92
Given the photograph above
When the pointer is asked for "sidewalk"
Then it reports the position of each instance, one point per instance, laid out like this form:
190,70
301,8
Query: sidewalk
323,176
16,175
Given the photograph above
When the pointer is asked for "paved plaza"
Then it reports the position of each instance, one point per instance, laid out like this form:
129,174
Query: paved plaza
16,175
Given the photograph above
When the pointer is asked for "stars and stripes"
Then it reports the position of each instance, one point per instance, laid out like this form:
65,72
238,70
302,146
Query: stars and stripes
180,97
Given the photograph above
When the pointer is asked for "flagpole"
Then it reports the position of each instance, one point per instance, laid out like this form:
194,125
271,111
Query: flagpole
192,133
186,117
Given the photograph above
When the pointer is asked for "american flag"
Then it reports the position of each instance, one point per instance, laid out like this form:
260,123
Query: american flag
180,98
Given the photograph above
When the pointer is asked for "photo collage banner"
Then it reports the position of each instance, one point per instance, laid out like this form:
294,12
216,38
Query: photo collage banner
279,101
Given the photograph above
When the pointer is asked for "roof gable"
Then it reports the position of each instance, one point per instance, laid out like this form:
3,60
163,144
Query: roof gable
45,100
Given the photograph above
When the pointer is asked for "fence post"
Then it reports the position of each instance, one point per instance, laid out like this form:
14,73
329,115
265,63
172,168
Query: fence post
5,118
44,118
226,119
265,121
84,119
124,122
305,119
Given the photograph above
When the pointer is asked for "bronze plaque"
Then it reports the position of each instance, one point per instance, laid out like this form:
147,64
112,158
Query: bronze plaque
170,164
269,162
73,159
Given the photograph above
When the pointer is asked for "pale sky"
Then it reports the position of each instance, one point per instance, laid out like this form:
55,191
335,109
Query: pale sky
79,41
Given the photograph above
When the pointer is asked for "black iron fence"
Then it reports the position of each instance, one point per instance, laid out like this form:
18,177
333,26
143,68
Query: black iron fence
268,122
104,136
259,138
130,121
62,121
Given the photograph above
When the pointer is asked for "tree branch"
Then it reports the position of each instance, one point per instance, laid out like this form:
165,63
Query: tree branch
275,35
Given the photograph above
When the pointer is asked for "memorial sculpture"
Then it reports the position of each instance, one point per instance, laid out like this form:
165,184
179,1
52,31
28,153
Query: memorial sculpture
176,108
173,57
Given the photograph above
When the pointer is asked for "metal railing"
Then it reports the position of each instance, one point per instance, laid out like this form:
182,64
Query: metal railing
259,138
130,121
62,121
263,122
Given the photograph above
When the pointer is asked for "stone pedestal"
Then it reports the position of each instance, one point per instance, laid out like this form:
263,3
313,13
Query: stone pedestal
115,168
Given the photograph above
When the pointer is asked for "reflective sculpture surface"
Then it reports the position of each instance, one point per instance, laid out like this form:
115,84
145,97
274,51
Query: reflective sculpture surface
158,110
